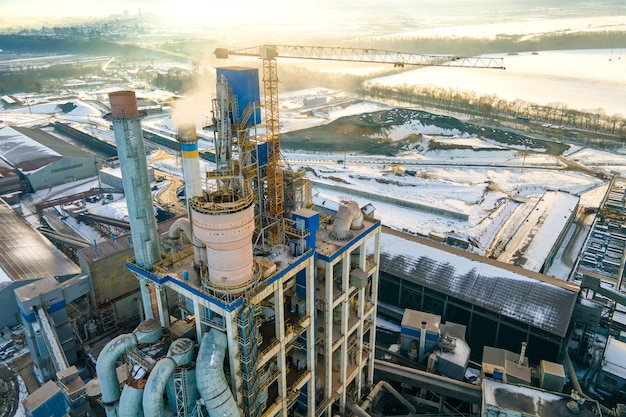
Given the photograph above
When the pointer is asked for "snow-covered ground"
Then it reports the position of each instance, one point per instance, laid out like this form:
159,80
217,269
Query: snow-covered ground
581,79
500,182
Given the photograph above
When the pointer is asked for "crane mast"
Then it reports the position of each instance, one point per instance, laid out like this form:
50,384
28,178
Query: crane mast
269,53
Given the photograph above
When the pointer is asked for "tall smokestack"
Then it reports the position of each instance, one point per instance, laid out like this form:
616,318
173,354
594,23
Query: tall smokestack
191,165
132,156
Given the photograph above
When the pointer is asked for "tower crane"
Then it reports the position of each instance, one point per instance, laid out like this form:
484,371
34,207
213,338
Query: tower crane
269,53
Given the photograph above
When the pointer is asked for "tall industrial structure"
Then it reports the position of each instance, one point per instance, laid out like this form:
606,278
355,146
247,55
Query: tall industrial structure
280,298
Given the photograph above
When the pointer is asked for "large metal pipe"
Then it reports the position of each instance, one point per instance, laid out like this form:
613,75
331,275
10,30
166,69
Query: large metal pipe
130,402
183,225
349,216
212,385
376,390
147,332
180,353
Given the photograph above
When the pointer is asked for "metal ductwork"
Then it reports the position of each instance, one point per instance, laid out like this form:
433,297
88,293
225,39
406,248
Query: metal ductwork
212,385
130,402
183,226
348,217
148,331
180,353
361,411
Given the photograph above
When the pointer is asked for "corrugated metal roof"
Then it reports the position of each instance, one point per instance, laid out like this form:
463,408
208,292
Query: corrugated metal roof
104,249
31,149
52,142
524,298
25,253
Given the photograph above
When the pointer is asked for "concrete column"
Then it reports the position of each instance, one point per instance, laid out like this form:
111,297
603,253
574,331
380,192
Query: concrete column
164,314
370,368
345,315
146,301
233,351
328,325
311,332
197,311
279,311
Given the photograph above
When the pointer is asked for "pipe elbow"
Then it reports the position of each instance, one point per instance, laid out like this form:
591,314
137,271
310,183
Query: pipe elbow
153,404
105,366
348,217
181,225
210,379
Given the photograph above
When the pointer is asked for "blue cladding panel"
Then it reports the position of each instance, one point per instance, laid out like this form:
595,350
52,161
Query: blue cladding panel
301,284
311,223
261,151
245,85
55,406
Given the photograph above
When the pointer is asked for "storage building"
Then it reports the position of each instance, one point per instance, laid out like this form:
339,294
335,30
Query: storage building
45,160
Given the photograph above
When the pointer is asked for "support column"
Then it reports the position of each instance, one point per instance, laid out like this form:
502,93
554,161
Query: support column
328,324
280,336
345,316
375,276
164,314
311,334
146,301
198,314
233,352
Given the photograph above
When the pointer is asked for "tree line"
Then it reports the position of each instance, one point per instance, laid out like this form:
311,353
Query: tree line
557,115
503,43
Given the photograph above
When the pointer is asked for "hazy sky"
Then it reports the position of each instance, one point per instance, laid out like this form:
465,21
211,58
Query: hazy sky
211,9
307,12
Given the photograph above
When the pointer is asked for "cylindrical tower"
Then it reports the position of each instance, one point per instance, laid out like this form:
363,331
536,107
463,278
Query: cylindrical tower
191,165
226,229
132,156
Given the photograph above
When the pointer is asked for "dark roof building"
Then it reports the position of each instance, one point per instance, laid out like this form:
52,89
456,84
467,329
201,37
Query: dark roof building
502,305
25,253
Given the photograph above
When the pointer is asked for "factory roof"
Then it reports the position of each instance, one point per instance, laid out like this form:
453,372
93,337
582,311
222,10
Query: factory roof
528,401
25,253
6,170
41,395
36,289
533,241
414,319
29,149
105,249
531,298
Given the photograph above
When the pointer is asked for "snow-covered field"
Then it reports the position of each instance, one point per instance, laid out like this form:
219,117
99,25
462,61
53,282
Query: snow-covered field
581,79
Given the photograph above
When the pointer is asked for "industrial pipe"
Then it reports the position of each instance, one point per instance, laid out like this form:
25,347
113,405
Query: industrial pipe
349,216
130,402
180,353
212,385
356,410
148,331
376,390
183,225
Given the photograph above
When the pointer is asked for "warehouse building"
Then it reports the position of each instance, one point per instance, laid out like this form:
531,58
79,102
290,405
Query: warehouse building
501,305
44,160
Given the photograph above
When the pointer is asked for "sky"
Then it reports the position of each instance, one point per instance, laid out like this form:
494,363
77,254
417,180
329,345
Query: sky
283,10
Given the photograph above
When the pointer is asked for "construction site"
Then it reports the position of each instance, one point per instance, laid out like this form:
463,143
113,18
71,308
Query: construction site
254,300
